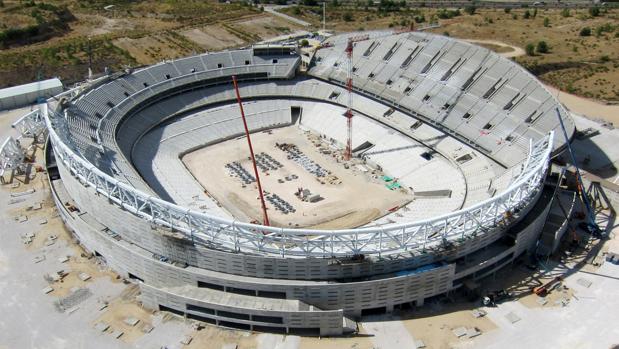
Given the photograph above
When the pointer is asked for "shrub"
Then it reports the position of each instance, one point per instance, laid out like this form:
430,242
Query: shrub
605,58
565,12
507,10
546,22
594,11
542,47
527,14
530,49
586,31
470,9
347,17
304,43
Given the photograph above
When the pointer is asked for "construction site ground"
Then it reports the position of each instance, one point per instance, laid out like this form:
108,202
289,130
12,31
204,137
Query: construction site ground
351,198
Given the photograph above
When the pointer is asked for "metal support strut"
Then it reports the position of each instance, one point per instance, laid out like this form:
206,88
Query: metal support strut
251,151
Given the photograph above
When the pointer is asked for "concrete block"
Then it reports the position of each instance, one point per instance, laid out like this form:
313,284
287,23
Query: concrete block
477,313
472,332
511,317
419,344
131,321
48,289
459,332
117,334
101,326
186,340
39,259
84,276
146,328
584,282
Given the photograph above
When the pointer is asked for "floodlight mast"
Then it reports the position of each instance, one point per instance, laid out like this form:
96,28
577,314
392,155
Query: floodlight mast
265,216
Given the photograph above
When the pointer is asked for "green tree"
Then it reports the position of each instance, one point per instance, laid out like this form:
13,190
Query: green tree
347,16
542,47
530,49
527,14
546,22
470,9
304,43
310,2
586,31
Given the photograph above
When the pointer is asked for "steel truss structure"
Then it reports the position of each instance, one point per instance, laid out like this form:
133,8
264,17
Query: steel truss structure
11,155
31,125
224,234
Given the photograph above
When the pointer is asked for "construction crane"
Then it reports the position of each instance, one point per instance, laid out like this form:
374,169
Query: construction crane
350,45
349,114
265,216
591,225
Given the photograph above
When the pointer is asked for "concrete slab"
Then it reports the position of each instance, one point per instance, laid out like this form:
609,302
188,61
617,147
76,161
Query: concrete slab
186,340
584,282
84,276
101,326
459,331
513,318
472,332
131,321
117,334
48,289
477,313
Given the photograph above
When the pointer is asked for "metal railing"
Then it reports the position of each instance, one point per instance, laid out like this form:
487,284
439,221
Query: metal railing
231,235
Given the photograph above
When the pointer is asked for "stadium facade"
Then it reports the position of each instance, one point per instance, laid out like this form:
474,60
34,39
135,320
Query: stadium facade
482,113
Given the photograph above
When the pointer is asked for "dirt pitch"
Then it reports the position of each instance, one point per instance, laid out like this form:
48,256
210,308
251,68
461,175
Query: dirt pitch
357,200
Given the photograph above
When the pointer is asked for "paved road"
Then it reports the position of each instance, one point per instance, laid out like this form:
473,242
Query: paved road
273,10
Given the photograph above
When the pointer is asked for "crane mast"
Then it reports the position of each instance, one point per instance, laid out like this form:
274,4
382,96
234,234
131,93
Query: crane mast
349,113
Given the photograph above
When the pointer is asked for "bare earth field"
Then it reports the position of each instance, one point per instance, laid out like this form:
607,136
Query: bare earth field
212,37
265,26
357,200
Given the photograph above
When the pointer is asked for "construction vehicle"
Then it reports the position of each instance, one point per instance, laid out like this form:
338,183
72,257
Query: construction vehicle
493,297
543,290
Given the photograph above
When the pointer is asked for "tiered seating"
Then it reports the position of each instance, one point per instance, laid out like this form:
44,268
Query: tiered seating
461,87
160,149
